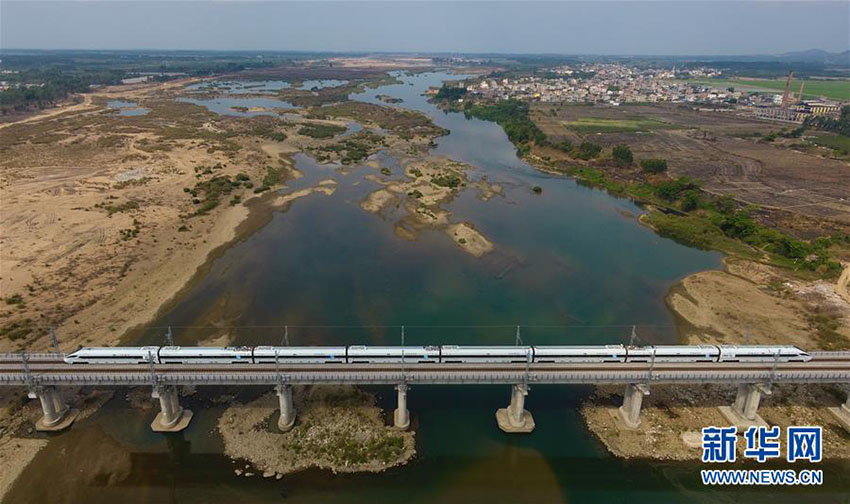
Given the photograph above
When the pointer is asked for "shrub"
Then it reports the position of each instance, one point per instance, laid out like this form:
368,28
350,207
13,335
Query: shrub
654,165
622,155
588,150
537,189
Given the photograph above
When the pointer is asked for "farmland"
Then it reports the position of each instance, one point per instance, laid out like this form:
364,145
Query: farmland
590,125
835,89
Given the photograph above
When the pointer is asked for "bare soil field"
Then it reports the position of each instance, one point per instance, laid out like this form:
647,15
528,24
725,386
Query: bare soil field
723,151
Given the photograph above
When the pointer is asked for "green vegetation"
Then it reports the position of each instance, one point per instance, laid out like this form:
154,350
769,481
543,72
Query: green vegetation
592,125
690,216
351,150
537,189
446,180
622,155
405,123
840,125
321,130
268,131
272,177
512,116
835,142
113,209
565,145
15,299
213,189
130,233
131,183
450,93
386,171
836,89
654,165
587,150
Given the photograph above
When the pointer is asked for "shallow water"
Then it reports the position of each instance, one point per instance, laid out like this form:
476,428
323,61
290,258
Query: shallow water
571,265
227,105
127,108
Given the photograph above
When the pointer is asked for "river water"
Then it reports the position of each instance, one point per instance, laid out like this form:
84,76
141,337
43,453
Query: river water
571,265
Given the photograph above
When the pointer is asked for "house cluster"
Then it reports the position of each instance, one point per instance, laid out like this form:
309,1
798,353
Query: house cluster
610,83
616,83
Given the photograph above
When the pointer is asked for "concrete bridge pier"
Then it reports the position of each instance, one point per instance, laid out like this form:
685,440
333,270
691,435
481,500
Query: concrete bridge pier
57,414
842,413
515,418
172,417
401,417
287,410
629,412
744,411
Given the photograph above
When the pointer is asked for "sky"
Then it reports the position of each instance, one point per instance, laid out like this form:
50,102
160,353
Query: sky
681,27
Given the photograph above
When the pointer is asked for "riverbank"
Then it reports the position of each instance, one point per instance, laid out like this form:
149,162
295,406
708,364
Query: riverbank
338,428
746,303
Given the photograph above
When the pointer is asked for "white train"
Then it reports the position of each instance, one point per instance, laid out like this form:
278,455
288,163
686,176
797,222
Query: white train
445,354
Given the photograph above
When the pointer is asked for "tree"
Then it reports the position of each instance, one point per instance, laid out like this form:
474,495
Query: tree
622,155
654,165
588,150
691,200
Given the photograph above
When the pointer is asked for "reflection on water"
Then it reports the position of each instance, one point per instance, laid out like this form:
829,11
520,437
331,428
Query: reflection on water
568,266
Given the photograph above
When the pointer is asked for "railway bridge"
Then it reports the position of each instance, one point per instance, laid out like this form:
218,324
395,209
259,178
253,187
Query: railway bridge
44,374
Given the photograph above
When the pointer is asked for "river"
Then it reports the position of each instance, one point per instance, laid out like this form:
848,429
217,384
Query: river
571,265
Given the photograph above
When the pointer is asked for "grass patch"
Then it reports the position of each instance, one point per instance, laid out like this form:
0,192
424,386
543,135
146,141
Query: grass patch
591,125
446,180
321,130
834,142
838,89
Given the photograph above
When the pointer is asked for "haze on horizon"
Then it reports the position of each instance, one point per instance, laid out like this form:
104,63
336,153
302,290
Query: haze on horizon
682,27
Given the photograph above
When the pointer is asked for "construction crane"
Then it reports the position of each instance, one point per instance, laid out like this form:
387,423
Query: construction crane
800,96
786,98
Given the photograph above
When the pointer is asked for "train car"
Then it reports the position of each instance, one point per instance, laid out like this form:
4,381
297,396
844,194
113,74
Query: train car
205,355
607,353
113,355
762,353
686,353
409,354
300,355
453,354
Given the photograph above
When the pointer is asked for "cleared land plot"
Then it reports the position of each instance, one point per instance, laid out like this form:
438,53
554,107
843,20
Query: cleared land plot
838,89
722,150
590,125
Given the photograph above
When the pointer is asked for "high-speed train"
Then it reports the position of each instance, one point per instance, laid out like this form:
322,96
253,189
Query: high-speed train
444,354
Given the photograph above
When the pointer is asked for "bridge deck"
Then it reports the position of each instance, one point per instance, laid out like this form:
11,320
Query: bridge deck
49,369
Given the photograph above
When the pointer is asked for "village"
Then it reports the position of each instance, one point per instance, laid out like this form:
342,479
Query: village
615,84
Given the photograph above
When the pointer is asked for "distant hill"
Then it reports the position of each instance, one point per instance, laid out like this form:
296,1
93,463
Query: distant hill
817,56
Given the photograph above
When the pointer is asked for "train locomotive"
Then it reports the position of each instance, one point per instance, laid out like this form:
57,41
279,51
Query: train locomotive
443,354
